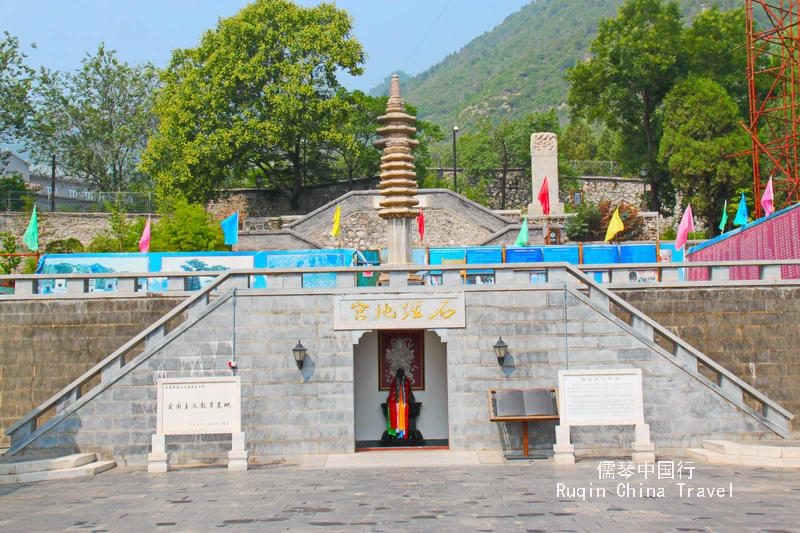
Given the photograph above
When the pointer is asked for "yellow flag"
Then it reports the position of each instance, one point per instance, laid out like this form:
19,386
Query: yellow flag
336,219
615,226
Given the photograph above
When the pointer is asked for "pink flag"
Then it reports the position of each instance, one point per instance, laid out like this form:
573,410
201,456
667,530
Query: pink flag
766,200
684,228
144,242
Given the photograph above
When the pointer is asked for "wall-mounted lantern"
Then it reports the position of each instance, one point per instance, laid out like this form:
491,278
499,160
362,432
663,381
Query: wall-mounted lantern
299,352
500,350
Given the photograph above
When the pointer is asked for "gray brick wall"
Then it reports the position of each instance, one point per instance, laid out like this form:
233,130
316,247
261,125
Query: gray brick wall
288,413
751,331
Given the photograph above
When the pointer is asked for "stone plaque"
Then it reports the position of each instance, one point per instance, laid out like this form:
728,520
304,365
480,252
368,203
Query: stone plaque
195,406
399,311
601,397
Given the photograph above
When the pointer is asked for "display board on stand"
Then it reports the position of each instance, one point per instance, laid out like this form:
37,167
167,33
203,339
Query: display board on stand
602,398
198,406
523,405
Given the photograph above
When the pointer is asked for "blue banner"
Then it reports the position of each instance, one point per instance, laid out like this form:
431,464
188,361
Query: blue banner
437,254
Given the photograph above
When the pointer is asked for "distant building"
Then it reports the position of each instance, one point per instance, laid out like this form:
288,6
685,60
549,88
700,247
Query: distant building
70,194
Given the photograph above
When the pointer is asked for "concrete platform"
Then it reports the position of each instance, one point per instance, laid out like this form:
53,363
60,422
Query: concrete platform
774,453
31,469
401,459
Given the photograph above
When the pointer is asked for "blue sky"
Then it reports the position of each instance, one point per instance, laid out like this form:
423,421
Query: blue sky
148,30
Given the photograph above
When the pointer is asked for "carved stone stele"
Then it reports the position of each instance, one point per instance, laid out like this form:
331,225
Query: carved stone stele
544,143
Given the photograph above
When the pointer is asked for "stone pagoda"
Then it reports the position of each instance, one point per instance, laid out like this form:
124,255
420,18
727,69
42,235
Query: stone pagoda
398,204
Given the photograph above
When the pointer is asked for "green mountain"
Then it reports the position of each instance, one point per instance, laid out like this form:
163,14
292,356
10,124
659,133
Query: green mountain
519,66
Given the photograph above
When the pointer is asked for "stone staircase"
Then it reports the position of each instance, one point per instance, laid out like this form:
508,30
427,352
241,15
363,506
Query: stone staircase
776,454
28,470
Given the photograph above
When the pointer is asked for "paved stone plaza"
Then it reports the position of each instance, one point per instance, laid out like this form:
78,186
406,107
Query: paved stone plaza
518,496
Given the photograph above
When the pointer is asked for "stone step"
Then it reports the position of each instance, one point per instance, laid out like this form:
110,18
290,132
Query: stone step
773,449
27,465
741,460
90,469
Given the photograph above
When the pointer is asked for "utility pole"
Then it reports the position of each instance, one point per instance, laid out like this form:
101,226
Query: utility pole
53,186
455,164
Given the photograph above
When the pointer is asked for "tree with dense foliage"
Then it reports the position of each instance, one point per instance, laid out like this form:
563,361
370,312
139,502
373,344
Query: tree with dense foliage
637,58
701,128
258,93
14,194
96,120
715,48
16,80
188,229
577,142
8,245
494,148
357,157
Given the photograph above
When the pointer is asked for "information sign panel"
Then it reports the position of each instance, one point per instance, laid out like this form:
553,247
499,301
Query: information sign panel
601,397
197,406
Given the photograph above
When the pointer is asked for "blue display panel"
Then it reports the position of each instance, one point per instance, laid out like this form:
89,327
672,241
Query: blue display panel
524,255
484,256
600,255
437,254
562,254
637,253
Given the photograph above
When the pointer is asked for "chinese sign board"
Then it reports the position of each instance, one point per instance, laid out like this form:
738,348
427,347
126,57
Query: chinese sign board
776,237
392,311
601,397
196,406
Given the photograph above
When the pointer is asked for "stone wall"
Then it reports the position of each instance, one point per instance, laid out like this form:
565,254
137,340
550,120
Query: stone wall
519,191
59,226
273,203
287,412
751,331
46,344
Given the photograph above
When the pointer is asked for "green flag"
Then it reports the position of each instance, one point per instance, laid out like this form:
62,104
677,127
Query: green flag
522,238
31,237
724,217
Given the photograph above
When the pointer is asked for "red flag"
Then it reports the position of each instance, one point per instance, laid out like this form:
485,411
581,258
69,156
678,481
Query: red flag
421,225
544,197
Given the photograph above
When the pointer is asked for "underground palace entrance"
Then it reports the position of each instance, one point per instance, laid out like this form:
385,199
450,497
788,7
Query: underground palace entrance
394,409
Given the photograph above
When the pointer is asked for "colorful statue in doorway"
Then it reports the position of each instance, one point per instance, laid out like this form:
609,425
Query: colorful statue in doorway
399,406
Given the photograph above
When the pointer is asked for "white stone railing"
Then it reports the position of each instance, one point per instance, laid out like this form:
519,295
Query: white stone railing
27,285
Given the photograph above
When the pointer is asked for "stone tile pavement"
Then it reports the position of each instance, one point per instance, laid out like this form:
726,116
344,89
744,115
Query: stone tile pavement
517,496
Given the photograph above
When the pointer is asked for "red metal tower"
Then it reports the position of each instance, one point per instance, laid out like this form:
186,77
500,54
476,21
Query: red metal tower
773,78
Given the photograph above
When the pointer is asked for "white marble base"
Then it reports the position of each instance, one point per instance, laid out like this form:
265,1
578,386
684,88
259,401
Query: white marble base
158,459
643,449
563,450
238,456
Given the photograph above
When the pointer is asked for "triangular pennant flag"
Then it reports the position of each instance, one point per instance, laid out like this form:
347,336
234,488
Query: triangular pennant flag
684,228
522,238
741,213
31,237
544,197
337,217
614,226
724,217
767,199
144,242
230,228
421,225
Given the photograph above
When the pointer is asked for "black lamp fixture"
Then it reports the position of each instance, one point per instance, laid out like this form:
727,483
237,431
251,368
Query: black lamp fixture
299,352
500,350
259,181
